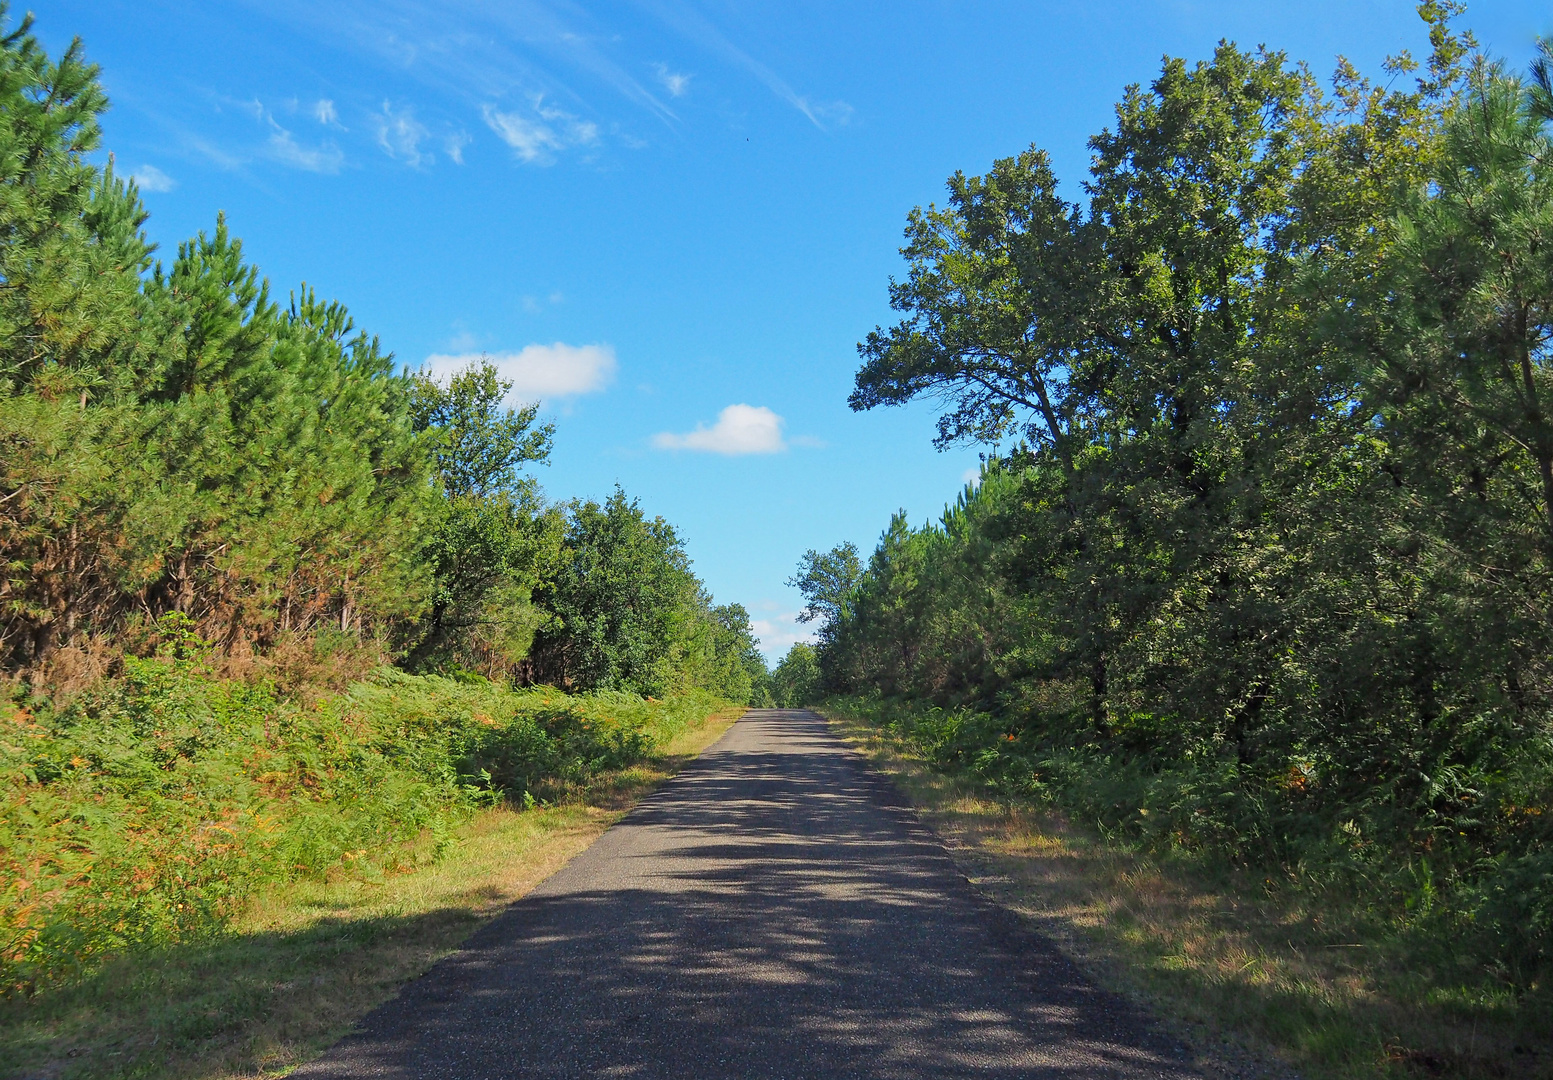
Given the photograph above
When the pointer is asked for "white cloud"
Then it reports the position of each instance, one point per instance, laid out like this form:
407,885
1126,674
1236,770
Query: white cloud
531,140
150,178
400,135
536,138
463,340
283,147
580,132
698,28
780,633
324,112
454,144
740,429
971,476
676,83
539,371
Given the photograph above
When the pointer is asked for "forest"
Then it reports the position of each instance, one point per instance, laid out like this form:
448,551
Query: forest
1258,571
273,605
174,440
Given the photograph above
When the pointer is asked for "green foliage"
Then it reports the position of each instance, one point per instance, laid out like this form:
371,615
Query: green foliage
479,444
191,470
796,680
150,809
172,440
731,665
1267,576
627,613
825,581
622,601
489,540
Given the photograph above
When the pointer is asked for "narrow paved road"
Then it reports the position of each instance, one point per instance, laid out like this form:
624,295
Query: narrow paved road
771,912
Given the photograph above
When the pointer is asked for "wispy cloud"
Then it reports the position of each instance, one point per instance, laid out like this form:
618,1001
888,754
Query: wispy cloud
534,305
400,135
740,429
281,146
463,340
482,51
539,372
218,156
150,178
539,133
675,82
579,132
531,140
830,113
284,148
695,26
546,76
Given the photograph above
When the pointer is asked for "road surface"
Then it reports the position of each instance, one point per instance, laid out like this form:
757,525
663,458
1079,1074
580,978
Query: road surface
773,911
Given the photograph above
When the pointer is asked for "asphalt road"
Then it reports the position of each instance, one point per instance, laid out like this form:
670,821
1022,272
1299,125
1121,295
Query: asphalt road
774,911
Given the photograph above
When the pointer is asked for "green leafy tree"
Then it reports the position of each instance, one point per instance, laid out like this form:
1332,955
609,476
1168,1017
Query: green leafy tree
170,438
622,602
797,681
734,668
480,446
825,580
490,540
1269,558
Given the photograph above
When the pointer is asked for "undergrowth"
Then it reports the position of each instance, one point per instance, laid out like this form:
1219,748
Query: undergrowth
147,810
1370,959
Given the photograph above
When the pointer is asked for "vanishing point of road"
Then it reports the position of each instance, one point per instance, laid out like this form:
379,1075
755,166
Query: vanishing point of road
773,911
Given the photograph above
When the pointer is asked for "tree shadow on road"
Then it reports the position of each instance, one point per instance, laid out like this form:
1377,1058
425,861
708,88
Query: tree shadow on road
775,912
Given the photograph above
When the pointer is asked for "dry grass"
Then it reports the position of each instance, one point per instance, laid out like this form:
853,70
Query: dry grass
307,961
1262,980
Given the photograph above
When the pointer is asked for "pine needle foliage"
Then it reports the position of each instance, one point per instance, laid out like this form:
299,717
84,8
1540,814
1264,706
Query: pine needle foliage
217,510
175,440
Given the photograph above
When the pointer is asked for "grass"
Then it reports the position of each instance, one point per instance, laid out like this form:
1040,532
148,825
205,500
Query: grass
1264,980
304,961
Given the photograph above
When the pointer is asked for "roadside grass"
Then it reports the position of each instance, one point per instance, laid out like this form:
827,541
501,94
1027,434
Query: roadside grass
1261,978
304,961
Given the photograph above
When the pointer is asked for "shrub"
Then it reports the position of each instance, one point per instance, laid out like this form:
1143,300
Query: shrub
148,809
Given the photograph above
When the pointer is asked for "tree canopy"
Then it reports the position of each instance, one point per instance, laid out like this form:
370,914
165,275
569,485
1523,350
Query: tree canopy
1268,548
176,439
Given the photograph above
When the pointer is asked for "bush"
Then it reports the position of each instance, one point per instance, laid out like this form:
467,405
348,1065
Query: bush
1487,897
149,809
796,680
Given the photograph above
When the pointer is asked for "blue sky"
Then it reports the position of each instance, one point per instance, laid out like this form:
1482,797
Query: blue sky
671,221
